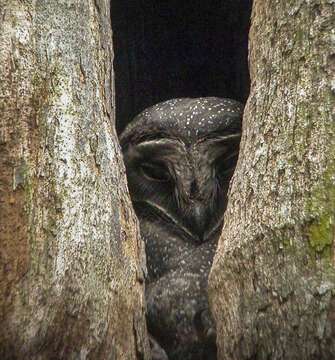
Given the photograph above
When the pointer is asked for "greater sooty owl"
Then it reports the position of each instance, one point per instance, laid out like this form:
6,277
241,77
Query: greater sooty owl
180,155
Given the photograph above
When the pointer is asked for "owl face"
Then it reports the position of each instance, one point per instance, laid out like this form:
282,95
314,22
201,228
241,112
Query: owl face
179,169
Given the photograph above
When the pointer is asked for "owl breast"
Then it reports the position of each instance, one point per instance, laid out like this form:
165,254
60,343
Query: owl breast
180,156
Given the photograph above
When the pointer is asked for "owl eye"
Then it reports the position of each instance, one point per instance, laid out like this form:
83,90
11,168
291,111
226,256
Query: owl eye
155,171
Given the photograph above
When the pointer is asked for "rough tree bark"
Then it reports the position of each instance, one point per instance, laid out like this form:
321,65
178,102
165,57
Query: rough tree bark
70,256
272,285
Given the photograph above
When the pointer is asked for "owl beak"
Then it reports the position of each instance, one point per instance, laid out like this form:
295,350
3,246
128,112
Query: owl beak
199,220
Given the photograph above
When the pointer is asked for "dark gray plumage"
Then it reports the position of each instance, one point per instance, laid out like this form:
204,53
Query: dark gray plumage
180,155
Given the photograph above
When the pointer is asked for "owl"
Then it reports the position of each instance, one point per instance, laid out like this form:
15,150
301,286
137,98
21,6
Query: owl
180,156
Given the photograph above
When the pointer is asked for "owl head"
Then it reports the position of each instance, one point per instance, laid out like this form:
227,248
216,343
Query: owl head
180,156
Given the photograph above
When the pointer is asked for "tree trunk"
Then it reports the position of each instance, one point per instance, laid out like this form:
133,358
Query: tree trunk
71,257
272,285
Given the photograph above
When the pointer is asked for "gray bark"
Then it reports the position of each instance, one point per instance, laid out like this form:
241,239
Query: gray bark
272,285
71,257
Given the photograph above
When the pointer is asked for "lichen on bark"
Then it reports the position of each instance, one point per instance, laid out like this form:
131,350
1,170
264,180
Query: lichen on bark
272,282
71,255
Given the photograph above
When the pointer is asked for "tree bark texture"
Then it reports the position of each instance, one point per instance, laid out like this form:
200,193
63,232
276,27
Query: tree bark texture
71,256
272,285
